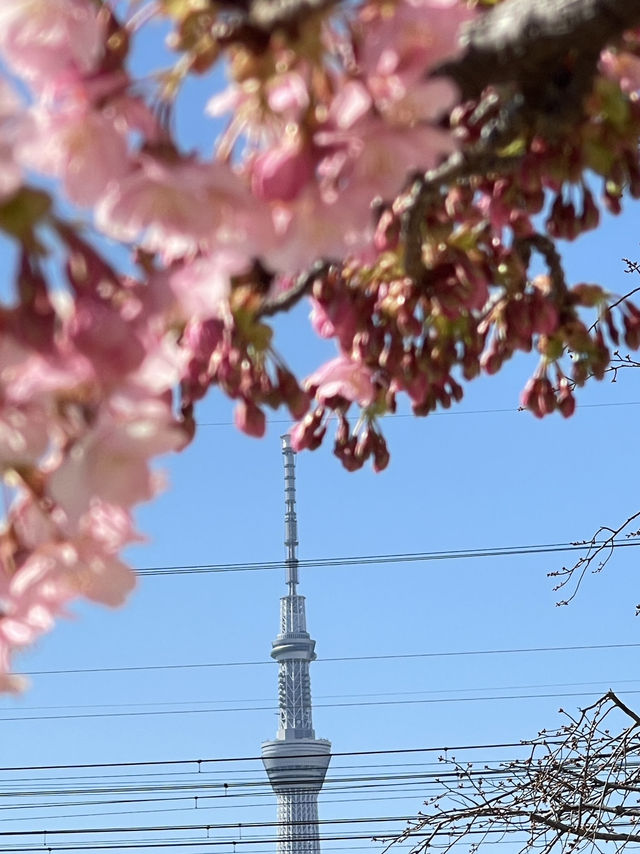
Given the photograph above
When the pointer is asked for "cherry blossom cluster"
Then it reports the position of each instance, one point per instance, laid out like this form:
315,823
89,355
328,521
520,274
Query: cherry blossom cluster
329,181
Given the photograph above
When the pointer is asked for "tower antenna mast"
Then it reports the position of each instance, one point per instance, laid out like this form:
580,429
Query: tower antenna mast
296,761
290,519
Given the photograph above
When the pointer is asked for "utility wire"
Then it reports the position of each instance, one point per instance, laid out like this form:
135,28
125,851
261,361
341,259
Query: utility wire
381,657
174,828
155,704
514,410
393,751
379,559
354,704
233,789
167,809
203,841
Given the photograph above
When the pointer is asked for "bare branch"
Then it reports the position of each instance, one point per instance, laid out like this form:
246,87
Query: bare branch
580,781
287,299
599,552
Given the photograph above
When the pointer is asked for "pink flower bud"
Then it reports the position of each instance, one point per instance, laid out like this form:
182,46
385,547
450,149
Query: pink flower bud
281,173
566,400
538,397
387,232
590,217
380,453
631,331
250,419
544,315
309,432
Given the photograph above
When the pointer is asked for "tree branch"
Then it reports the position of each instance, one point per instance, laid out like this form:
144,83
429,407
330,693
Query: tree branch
602,550
543,46
579,781
287,299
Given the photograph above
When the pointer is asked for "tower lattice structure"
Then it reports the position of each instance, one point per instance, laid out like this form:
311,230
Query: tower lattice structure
296,761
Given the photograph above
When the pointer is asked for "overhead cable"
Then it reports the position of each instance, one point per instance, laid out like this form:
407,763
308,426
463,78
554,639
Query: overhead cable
331,659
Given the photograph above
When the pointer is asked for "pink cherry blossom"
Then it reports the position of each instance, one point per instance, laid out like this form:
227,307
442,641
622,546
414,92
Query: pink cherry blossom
350,104
103,578
312,227
108,524
288,95
42,38
341,377
202,286
396,49
338,319
623,67
85,147
372,158
38,592
327,120
24,435
163,366
177,207
35,594
106,337
111,462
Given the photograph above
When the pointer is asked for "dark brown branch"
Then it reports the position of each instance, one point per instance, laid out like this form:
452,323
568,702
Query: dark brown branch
540,45
545,247
287,299
618,702
253,23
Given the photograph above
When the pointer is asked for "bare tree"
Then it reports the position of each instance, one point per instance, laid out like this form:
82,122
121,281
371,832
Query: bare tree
576,789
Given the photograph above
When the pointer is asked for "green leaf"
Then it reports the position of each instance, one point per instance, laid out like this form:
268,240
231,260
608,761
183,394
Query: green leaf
20,214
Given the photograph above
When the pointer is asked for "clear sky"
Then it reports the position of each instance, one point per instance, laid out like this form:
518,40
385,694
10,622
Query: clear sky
481,476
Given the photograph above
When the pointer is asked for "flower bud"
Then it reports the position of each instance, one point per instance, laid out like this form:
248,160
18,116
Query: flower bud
250,419
565,398
631,331
590,217
380,453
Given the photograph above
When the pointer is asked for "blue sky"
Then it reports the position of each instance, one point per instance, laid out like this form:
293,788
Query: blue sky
469,479
483,475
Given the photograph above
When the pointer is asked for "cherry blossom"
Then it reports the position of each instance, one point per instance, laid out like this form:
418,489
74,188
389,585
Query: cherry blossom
83,146
177,207
41,39
624,67
350,172
344,379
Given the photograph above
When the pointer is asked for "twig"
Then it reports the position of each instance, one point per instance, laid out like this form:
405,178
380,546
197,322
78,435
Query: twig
287,299
595,549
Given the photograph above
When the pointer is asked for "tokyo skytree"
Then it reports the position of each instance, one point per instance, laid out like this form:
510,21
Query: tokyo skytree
296,761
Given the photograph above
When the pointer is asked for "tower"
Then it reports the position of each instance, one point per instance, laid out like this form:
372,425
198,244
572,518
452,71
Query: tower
296,761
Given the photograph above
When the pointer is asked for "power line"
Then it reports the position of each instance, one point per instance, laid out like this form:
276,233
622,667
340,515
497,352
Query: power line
380,559
155,704
229,790
173,828
329,659
166,809
235,709
393,751
203,841
514,410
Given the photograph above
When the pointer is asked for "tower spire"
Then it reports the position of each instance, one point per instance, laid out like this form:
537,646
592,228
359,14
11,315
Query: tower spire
290,519
296,761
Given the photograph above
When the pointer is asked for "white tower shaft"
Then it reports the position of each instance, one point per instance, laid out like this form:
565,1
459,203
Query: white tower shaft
296,761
